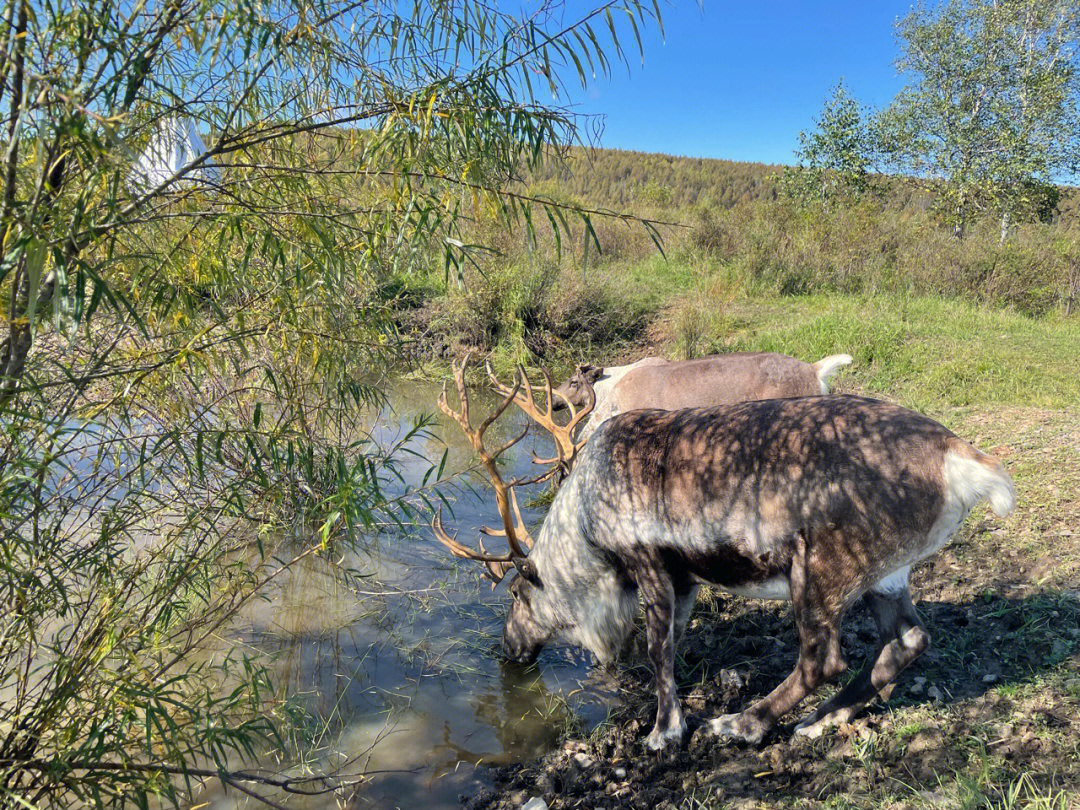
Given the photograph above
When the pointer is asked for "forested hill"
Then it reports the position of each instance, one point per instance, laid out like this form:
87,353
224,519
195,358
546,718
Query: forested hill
624,179
619,178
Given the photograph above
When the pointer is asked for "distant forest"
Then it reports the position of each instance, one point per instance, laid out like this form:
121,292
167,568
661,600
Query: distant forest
629,180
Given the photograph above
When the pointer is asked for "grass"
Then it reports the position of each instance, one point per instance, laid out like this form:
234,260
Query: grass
931,353
927,353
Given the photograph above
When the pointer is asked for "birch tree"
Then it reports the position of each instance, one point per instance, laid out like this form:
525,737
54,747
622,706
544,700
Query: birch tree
835,158
992,106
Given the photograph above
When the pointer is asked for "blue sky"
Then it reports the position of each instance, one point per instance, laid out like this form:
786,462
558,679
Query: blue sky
739,80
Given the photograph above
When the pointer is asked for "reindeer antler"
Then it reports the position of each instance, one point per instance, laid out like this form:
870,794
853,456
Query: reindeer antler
565,446
513,527
517,536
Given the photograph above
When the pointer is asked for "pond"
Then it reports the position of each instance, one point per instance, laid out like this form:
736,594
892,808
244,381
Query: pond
410,682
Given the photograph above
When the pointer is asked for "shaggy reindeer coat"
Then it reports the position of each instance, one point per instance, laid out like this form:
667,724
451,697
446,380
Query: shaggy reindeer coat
817,500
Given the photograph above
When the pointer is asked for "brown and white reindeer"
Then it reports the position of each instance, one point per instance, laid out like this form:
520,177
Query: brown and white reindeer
721,379
823,501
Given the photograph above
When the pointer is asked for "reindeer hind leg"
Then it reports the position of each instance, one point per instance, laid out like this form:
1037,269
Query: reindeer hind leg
818,612
902,640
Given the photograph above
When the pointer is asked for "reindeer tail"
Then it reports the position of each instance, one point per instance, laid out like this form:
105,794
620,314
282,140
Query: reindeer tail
826,367
974,476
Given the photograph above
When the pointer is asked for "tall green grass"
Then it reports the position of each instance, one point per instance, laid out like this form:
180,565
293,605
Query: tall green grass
926,352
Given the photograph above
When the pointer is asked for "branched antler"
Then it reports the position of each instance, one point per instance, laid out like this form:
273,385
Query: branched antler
566,447
517,536
513,526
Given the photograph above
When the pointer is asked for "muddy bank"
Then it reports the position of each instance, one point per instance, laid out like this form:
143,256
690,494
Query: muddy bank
996,696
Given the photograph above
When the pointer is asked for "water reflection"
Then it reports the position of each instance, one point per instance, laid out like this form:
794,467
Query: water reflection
524,716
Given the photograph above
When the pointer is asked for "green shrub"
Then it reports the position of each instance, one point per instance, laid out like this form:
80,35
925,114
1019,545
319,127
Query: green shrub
532,310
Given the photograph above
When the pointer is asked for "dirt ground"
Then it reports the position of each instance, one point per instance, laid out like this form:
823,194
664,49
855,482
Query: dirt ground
988,717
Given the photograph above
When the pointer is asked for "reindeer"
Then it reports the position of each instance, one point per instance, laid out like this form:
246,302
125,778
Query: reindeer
822,501
721,379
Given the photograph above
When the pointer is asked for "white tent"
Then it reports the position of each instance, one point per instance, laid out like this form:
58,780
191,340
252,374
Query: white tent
173,146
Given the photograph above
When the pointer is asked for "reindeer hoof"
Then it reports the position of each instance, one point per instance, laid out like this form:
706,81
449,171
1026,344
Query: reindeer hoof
659,739
817,723
734,726
810,729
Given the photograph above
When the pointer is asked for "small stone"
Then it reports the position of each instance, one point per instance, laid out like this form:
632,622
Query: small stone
535,803
584,761
731,679
916,688
990,677
620,773
935,694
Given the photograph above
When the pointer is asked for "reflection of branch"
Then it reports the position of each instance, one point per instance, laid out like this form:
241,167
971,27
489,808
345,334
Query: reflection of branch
292,784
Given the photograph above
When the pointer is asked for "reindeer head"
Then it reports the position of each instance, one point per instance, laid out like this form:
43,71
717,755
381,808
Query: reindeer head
575,392
525,633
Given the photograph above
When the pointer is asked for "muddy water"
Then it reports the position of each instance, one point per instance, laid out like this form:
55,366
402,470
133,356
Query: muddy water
406,673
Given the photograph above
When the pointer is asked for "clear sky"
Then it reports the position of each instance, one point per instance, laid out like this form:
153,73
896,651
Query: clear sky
739,80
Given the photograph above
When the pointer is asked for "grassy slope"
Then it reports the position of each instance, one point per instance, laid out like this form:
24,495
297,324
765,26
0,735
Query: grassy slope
924,352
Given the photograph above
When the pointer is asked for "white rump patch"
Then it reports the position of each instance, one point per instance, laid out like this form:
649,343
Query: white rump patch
971,481
967,482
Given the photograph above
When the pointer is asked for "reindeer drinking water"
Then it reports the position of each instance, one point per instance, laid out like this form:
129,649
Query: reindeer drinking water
823,501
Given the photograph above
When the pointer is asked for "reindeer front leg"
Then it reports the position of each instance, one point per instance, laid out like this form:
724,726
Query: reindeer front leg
658,594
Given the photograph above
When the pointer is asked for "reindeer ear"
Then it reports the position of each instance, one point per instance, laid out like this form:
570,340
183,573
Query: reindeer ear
591,373
528,572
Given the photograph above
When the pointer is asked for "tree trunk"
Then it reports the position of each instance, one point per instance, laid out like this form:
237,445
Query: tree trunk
1074,285
1006,225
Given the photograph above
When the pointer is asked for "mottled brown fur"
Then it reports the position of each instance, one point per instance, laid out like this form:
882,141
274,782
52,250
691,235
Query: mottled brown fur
822,500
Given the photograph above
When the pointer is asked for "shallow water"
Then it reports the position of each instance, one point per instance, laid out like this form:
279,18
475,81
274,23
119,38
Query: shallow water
410,683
